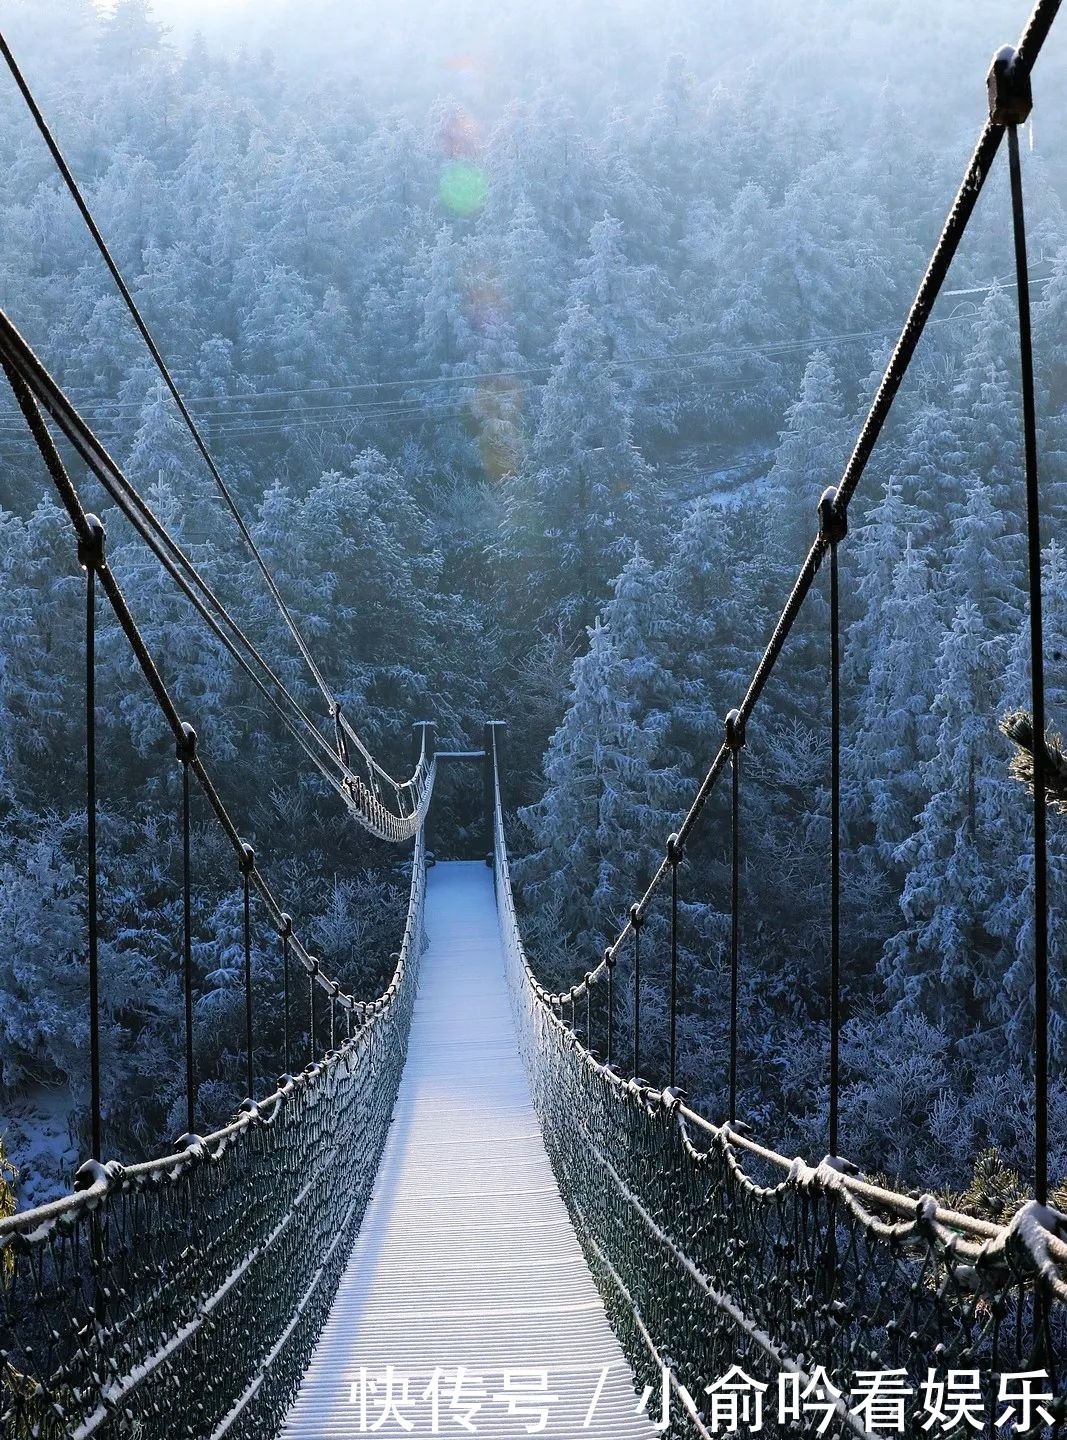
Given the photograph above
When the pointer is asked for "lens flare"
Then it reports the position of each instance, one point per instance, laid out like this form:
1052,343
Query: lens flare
464,188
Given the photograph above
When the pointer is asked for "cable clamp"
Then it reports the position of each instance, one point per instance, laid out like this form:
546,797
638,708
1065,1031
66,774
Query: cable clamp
91,544
674,849
185,746
735,731
1011,96
247,860
833,523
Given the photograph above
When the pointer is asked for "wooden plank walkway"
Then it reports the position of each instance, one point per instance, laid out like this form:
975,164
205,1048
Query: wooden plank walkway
467,1256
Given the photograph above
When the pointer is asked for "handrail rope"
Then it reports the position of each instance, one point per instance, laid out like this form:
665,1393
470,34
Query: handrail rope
19,359
976,174
95,1180
146,335
980,1231
84,529
17,354
161,365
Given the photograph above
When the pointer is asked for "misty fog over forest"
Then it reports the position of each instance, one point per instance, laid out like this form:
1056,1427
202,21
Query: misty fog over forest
528,336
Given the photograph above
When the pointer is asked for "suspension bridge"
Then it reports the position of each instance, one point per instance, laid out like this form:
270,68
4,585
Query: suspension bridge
471,1210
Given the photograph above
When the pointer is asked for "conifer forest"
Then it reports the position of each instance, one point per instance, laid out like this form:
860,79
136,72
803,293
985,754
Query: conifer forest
527,338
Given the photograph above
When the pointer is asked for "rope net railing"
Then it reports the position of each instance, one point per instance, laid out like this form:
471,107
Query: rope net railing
1010,103
712,1251
182,1297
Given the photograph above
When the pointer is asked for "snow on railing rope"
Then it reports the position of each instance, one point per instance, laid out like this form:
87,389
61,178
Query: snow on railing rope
181,1298
1010,102
712,1250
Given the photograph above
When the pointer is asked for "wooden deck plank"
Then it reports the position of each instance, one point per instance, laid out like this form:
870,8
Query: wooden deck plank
467,1256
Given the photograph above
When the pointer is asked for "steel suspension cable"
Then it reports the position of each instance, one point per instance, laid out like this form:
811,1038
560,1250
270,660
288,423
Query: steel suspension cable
635,926
32,383
311,1012
91,557
186,752
833,530
1037,677
90,537
735,740
287,931
201,444
919,315
248,864
161,365
674,857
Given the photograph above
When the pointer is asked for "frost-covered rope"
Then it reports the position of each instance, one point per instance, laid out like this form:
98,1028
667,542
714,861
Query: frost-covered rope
194,430
183,1296
714,1250
36,384
919,315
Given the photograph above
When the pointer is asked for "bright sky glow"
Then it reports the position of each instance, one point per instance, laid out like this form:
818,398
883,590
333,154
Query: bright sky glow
188,14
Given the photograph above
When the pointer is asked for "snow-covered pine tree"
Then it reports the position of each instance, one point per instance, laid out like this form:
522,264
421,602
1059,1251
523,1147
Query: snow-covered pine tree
943,962
988,399
885,789
528,267
582,495
879,542
631,303
1050,326
811,455
497,397
604,809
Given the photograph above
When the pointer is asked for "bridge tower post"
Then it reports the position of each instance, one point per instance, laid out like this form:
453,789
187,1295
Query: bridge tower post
422,736
489,783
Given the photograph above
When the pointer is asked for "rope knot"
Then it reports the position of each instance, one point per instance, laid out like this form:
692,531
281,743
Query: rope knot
92,1175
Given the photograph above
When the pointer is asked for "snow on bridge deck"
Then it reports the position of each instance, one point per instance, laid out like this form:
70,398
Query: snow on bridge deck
467,1256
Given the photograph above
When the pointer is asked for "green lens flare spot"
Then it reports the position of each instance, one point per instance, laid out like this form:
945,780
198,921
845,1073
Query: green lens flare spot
464,188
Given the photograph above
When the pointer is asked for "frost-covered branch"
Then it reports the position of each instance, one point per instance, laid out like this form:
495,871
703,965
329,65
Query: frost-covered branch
1018,726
